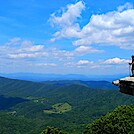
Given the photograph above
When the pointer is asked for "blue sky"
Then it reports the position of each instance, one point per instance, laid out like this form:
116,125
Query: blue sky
66,37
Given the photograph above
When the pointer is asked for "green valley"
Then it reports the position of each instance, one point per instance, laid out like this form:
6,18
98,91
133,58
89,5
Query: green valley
68,107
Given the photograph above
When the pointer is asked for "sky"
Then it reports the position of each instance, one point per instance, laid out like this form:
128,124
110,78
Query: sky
92,37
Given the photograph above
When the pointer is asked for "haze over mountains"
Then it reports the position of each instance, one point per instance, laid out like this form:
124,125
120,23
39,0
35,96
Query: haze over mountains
52,77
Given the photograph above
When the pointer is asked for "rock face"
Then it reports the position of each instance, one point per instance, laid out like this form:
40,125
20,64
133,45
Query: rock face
126,85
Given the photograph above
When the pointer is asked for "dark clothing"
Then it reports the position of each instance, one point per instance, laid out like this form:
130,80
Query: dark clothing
132,66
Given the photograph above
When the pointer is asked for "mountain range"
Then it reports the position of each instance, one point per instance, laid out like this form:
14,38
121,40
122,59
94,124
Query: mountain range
53,77
69,105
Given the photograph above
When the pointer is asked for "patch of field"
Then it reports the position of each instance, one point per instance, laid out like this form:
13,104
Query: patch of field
59,108
37,100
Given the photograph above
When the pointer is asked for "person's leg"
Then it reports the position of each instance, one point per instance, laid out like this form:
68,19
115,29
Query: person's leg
132,71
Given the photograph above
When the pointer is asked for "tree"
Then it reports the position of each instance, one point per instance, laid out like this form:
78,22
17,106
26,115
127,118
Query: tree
53,130
120,121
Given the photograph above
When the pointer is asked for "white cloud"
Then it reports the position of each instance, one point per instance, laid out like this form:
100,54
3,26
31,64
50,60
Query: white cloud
112,28
68,16
66,21
28,46
32,48
18,48
84,62
13,41
27,50
22,55
67,32
125,6
113,65
28,55
116,61
82,50
46,64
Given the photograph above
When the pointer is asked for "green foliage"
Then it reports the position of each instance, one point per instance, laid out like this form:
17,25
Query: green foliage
59,108
12,124
91,84
19,88
53,130
86,103
120,121
7,102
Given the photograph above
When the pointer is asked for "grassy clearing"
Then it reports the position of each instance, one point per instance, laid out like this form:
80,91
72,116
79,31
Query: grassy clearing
59,108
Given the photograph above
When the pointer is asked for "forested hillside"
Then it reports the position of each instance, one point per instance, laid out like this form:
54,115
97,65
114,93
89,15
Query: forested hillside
92,84
120,121
68,107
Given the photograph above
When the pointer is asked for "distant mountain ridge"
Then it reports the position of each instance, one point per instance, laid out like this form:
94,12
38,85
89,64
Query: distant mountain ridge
53,77
91,84
105,85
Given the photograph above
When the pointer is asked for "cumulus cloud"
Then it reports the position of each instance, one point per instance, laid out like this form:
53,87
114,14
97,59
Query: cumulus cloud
18,49
66,21
116,61
84,62
114,64
46,64
68,16
67,32
32,48
111,28
13,41
82,50
125,6
28,55
22,55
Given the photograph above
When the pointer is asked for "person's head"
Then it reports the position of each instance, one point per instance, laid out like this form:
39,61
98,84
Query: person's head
132,57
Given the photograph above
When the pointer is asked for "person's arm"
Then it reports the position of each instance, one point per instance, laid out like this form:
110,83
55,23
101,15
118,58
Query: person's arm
132,63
